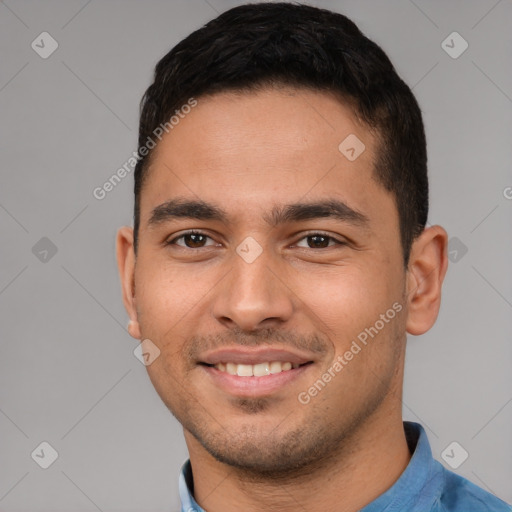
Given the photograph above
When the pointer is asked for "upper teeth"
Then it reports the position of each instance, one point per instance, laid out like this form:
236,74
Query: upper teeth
257,370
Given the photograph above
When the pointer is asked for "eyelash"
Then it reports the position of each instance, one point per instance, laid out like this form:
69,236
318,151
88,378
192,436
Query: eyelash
313,233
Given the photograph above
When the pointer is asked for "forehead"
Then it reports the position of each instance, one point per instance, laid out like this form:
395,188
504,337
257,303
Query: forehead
273,146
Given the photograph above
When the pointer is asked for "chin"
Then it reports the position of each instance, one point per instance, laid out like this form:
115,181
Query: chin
263,449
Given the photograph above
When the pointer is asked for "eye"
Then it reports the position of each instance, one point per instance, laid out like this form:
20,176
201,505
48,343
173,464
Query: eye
198,240
191,240
319,241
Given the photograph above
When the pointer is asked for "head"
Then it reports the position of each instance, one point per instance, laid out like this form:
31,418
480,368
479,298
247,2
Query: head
285,140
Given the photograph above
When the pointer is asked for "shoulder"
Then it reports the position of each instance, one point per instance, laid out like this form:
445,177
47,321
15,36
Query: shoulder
460,495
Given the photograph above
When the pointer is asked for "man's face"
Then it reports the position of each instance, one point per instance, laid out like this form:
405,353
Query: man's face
259,288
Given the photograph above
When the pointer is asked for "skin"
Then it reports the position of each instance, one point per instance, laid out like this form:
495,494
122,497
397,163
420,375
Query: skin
247,153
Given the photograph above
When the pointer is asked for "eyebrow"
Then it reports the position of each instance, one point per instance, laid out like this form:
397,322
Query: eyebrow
296,212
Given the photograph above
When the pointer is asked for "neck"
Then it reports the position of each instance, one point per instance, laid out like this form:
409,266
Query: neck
362,469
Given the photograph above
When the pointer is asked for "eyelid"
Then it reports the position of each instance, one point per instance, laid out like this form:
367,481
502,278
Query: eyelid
305,235
337,241
172,240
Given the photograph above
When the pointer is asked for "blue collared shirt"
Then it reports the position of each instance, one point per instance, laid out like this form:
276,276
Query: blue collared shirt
425,486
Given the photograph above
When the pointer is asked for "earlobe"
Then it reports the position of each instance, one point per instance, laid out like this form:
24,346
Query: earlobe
126,267
134,329
426,271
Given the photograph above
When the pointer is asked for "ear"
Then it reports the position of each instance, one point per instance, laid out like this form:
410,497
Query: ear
427,267
126,266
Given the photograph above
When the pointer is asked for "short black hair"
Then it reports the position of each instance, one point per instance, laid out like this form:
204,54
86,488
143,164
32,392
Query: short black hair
257,45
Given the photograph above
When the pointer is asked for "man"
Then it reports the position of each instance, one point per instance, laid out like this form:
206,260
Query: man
278,259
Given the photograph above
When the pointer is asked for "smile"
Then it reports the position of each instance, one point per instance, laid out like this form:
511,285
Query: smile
256,370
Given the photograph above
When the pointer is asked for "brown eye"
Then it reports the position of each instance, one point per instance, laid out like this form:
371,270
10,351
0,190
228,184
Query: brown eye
191,240
319,241
194,241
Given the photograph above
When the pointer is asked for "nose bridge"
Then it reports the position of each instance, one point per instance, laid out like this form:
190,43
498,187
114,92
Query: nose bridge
252,294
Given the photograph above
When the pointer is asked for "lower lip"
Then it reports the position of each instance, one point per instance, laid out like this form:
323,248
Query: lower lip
253,386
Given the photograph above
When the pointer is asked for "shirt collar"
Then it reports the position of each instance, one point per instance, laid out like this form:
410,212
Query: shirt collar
419,486
186,490
416,489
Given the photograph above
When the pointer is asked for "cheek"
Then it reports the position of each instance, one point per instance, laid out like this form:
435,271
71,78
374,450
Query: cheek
349,295
163,291
161,301
172,303
347,303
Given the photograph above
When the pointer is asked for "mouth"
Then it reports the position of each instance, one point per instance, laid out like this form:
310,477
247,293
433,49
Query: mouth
254,373
257,370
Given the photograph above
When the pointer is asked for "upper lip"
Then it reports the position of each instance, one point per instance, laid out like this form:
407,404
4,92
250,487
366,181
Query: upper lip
254,356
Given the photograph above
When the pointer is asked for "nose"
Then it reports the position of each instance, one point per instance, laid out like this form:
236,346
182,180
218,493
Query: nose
253,296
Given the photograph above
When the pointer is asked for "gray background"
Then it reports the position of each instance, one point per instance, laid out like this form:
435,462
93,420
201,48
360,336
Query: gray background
68,374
